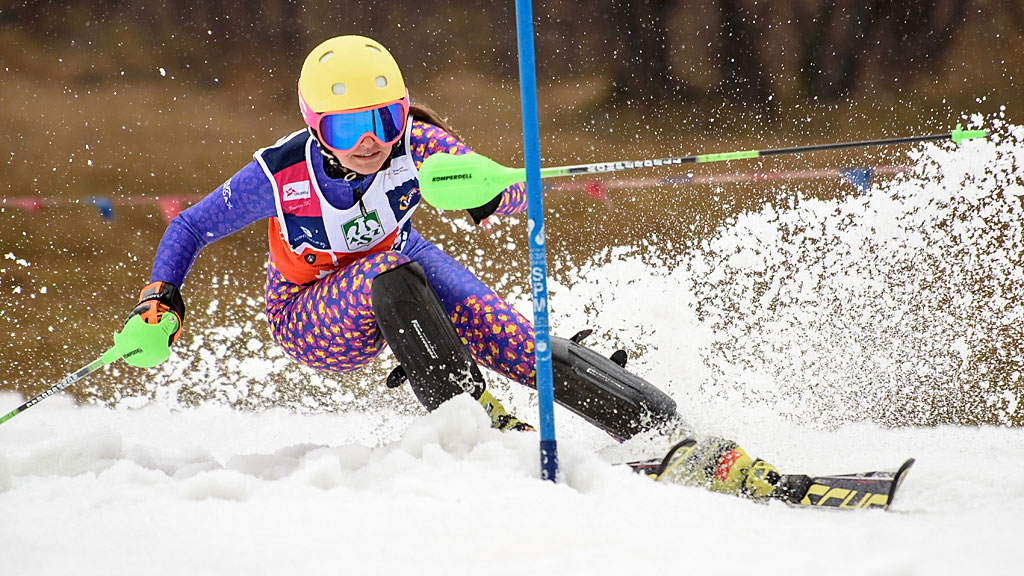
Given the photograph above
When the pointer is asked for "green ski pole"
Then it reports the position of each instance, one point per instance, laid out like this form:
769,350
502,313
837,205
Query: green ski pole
108,357
453,182
140,344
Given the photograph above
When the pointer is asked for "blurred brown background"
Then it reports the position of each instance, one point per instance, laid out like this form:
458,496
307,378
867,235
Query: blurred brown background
138,101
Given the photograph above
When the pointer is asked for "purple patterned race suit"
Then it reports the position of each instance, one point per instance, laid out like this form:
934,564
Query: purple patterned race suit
328,323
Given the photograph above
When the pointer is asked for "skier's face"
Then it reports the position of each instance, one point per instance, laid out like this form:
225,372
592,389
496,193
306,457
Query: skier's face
367,157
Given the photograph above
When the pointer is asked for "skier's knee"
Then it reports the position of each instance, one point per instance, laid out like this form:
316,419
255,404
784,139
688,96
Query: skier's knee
414,323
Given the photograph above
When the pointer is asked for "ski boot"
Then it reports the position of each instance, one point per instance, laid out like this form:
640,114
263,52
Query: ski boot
722,466
500,418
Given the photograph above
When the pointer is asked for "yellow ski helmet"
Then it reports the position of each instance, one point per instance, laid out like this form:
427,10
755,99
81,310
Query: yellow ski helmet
348,73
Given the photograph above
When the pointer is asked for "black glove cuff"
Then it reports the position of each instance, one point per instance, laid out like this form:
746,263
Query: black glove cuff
165,293
478,214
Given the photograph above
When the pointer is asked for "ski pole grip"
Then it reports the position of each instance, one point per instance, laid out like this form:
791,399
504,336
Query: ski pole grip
169,324
146,345
111,355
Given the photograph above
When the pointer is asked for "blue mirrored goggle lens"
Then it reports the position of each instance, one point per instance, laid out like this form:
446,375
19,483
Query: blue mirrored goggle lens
343,131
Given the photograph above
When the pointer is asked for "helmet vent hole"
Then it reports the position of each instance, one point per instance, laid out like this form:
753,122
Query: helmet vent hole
382,82
338,89
372,47
326,56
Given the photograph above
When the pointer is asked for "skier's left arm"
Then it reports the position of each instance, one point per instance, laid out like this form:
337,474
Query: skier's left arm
428,139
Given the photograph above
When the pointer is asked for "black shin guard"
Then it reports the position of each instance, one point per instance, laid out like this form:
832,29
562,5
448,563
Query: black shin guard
421,335
605,394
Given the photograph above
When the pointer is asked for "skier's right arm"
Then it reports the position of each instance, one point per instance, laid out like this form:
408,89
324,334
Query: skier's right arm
243,199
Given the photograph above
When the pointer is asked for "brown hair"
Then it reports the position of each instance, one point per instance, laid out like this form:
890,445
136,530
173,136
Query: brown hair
426,114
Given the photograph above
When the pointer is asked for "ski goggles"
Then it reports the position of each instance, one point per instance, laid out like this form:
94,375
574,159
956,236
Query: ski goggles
342,130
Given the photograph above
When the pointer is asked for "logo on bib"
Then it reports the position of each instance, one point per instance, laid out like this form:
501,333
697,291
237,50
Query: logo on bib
295,191
363,231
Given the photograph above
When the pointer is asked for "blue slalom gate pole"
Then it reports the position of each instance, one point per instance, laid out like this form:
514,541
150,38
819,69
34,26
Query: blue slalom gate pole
535,229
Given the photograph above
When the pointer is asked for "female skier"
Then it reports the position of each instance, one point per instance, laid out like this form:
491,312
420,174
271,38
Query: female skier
347,273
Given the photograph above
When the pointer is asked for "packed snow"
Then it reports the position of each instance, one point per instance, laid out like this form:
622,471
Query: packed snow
825,337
